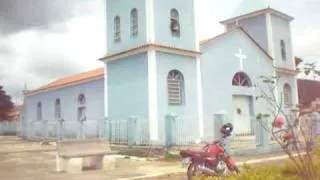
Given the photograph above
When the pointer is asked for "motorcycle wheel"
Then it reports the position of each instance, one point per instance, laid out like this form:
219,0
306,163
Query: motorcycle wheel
193,171
219,171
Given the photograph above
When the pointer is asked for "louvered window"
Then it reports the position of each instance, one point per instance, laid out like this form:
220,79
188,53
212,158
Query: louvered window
134,22
175,88
117,34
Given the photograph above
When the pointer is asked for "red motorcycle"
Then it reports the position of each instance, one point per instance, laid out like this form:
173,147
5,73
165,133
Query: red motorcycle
212,160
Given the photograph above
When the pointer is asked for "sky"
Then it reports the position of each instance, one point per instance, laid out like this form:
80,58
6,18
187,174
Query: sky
49,39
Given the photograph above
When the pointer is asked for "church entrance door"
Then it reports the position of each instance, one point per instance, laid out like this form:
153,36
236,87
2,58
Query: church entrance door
241,114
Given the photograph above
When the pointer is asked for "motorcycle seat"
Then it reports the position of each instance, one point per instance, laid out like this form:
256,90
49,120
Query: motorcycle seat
191,153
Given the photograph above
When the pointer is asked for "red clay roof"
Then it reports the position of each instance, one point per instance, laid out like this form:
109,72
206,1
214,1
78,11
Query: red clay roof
308,91
89,75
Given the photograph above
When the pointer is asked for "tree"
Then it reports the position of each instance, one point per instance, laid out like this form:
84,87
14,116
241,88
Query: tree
290,127
6,105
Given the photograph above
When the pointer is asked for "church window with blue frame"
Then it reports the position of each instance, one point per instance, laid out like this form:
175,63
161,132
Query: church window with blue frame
117,28
287,95
134,22
241,79
82,107
39,111
57,109
174,23
283,50
175,83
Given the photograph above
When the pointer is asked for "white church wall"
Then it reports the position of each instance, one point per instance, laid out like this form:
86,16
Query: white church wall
291,81
257,28
68,96
163,35
220,64
128,87
188,111
281,31
123,10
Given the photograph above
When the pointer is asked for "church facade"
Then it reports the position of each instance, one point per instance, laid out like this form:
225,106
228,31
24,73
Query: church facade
156,66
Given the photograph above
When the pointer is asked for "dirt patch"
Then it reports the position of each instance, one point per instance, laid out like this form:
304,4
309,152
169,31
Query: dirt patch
24,160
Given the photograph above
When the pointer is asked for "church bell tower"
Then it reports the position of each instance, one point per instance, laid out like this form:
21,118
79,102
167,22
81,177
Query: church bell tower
147,39
131,24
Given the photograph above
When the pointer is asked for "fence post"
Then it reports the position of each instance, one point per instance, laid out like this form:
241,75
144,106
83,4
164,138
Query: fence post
82,135
221,118
45,129
101,128
60,128
28,129
265,135
131,130
169,123
110,122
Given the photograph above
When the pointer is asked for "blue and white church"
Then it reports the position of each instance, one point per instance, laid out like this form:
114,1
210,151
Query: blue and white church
158,73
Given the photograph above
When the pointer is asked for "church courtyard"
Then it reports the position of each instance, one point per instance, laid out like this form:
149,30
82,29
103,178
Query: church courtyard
26,160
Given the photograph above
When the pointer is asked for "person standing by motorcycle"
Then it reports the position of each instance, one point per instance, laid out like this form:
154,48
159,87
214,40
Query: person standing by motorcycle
225,131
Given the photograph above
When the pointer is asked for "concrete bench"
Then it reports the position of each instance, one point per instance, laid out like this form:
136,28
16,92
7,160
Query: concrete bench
73,156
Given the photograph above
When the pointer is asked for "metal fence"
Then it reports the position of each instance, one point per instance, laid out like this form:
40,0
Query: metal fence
51,130
173,130
180,130
128,131
131,131
9,127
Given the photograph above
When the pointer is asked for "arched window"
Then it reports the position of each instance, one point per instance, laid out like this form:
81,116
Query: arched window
283,50
287,95
241,79
117,34
81,99
39,111
175,23
82,107
175,83
57,109
134,22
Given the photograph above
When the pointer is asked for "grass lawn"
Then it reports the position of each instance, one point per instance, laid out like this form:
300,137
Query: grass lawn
273,170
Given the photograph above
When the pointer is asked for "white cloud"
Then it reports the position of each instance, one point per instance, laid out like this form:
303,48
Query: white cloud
306,43
40,57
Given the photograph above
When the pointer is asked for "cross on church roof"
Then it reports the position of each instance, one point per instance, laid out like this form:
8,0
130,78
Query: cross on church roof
241,57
